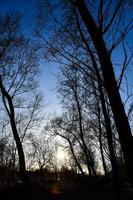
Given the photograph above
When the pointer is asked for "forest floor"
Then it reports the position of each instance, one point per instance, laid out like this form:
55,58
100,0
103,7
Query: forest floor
63,190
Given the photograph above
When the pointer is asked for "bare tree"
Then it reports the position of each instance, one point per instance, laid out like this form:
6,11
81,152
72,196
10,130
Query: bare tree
41,153
17,76
60,128
110,83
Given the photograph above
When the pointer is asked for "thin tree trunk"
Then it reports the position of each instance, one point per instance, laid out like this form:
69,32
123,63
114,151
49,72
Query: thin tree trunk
101,147
90,165
73,153
76,161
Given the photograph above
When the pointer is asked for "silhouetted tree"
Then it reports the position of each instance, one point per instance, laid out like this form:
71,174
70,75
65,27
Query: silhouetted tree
110,82
41,152
17,76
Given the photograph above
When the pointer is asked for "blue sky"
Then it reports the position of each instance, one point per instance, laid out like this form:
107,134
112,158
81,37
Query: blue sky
48,83
48,71
21,5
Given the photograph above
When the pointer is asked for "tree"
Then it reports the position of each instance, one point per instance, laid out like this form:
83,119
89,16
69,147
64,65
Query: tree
41,153
72,92
110,83
17,76
59,128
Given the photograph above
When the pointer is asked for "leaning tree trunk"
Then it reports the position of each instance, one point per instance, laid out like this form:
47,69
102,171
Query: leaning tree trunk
73,154
11,113
75,159
110,83
90,165
101,144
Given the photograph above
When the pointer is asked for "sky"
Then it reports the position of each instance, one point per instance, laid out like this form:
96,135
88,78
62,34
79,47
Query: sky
48,71
18,5
48,80
48,85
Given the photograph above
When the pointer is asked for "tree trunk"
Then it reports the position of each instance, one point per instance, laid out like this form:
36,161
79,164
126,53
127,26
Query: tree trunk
90,165
22,167
75,159
11,113
101,148
115,173
110,83
73,153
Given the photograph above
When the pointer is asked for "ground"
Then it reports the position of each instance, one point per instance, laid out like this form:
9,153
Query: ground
63,190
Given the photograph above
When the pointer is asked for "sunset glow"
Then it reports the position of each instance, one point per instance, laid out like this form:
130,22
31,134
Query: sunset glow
60,155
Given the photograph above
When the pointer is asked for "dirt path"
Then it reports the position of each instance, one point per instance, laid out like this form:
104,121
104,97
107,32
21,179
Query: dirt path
56,189
61,190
